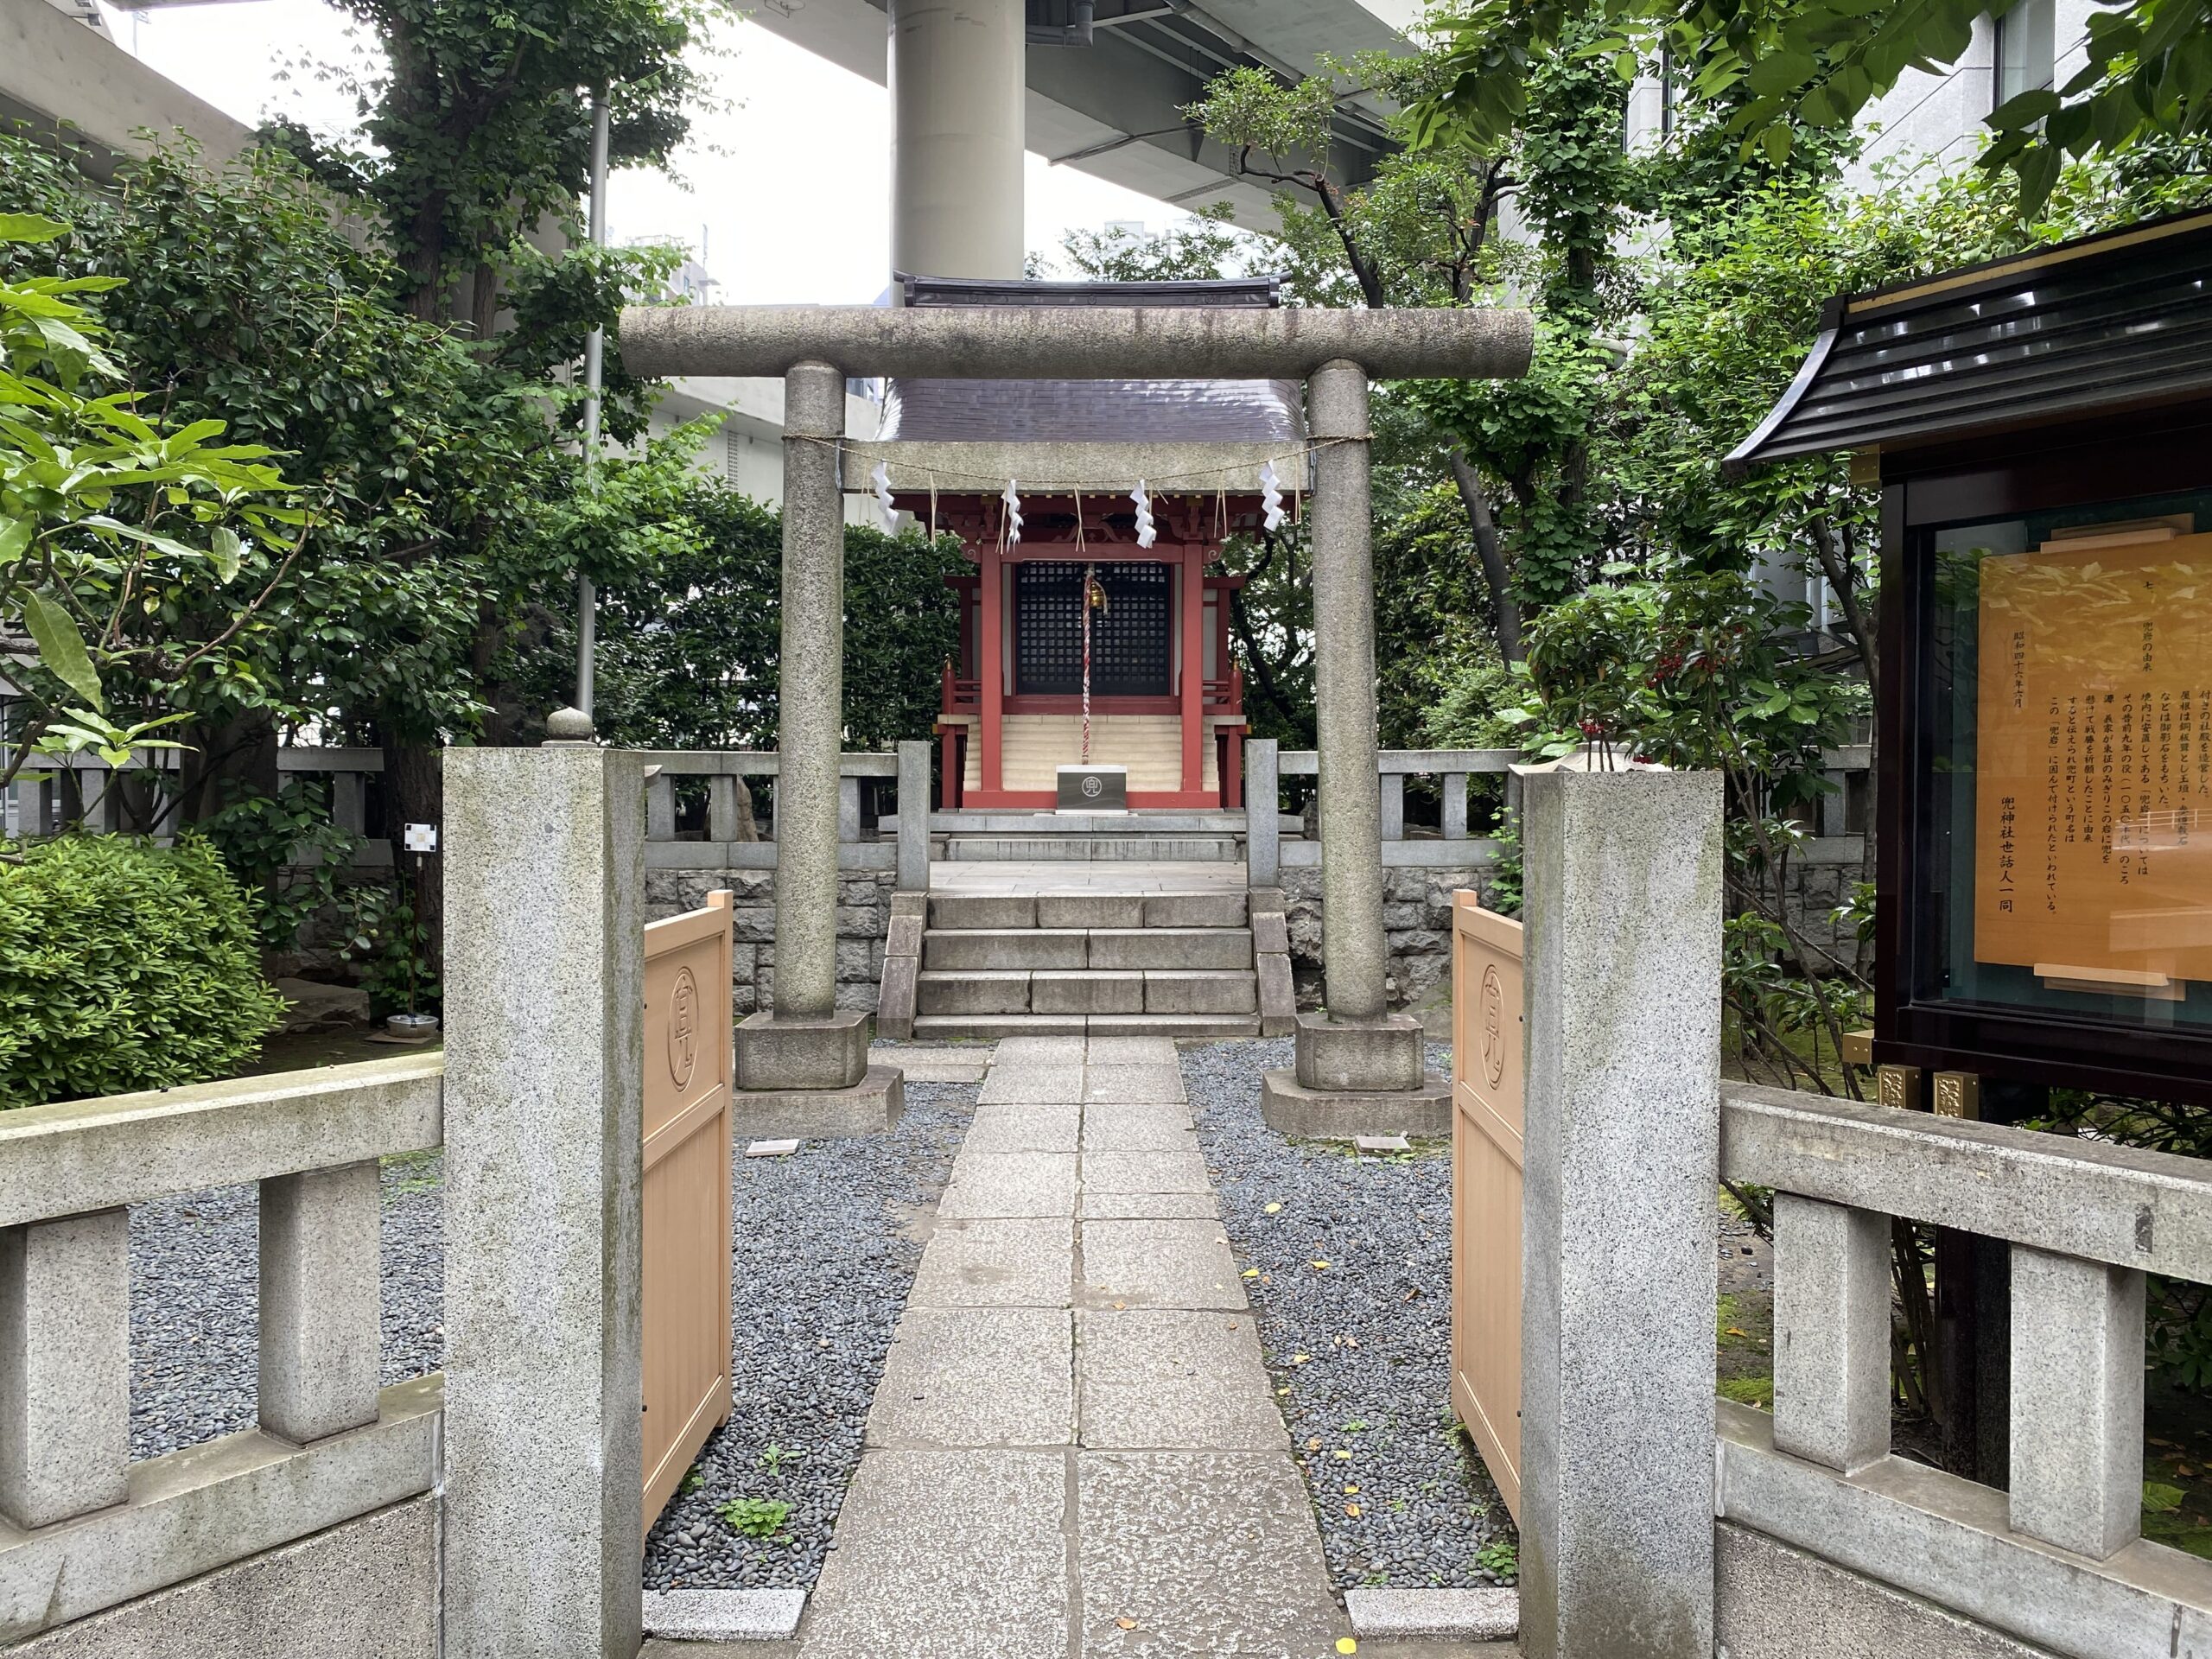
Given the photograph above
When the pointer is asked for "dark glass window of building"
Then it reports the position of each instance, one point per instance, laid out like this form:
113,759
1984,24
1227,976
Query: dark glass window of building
2026,49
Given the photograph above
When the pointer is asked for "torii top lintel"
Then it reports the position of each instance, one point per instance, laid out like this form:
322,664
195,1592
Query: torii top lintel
987,342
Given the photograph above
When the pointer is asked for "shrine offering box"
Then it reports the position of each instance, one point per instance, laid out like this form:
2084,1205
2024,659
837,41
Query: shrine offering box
2042,430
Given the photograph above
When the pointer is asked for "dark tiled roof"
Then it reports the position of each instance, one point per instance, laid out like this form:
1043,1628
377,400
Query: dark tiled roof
1092,412
2083,328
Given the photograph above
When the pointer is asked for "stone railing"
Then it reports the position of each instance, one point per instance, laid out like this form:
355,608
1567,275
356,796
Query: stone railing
82,1528
1452,847
726,846
2057,1560
84,788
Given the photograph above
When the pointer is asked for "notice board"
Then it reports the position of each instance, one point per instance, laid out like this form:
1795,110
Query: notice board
2093,785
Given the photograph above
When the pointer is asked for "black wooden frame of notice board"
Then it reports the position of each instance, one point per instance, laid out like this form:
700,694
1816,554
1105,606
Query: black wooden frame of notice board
2149,452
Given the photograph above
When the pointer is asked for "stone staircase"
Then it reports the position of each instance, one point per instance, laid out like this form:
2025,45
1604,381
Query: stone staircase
1169,964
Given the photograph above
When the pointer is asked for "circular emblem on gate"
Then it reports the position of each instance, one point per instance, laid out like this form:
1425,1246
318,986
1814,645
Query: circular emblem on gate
684,1027
1493,1026
1093,788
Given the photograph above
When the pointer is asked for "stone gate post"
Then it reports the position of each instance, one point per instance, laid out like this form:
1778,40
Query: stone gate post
802,1066
1623,877
544,853
1360,1068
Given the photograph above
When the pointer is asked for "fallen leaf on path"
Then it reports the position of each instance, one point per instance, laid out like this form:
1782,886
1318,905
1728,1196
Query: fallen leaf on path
1271,1208
1319,1266
1299,1359
1352,1510
1126,1623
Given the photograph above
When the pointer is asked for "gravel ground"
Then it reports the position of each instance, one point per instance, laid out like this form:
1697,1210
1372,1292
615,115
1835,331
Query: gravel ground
1369,1407
194,1321
823,1255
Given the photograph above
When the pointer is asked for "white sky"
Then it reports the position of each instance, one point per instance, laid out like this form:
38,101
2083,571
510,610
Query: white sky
789,188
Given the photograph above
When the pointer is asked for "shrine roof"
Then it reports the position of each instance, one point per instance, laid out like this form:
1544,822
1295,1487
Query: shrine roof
1150,413
2066,332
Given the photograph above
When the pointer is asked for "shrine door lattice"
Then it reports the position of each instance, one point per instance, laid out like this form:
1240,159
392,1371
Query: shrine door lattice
1487,1054
1131,635
688,1072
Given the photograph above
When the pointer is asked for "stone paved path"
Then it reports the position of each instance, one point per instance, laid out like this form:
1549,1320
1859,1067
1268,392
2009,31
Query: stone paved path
1074,1452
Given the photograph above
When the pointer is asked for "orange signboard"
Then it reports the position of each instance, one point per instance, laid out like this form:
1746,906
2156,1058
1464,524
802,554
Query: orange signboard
2092,784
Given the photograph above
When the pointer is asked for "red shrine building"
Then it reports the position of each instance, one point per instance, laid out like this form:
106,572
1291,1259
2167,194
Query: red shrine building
1078,627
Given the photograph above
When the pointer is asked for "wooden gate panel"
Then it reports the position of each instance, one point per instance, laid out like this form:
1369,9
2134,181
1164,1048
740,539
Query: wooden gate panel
1488,1053
688,1071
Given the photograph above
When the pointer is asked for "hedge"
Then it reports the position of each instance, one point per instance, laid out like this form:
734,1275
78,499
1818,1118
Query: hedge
124,965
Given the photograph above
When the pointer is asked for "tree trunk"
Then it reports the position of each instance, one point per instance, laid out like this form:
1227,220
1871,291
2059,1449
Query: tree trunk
238,758
1490,555
414,783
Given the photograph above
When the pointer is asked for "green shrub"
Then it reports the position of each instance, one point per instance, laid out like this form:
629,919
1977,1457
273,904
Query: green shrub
124,965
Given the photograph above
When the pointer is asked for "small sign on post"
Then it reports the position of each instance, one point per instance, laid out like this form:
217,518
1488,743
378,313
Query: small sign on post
419,837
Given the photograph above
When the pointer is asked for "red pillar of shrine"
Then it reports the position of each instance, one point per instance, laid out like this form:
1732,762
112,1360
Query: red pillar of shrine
990,669
1194,667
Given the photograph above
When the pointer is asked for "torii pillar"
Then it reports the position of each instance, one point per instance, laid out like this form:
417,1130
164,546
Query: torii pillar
1359,1067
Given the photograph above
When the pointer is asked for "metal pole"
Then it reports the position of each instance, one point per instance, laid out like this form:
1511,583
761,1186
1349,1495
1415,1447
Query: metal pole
594,362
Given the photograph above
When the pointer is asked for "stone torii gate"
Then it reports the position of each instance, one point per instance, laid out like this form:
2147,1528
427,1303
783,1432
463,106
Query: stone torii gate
1357,1063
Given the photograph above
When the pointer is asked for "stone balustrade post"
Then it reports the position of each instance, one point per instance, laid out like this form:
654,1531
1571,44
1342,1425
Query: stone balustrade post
1622,1158
319,1300
1263,814
65,1367
1454,818
348,808
1391,791
660,807
914,816
721,807
544,981
1831,1333
2077,1403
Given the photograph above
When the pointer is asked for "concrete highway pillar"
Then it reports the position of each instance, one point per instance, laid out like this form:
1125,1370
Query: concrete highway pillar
957,96
1360,1069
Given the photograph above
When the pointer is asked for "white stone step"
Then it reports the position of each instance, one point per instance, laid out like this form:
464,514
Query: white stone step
972,993
1185,948
948,1027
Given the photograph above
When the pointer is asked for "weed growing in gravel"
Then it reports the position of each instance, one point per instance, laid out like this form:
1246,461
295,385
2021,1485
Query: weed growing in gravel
1499,1558
773,1457
693,1480
756,1518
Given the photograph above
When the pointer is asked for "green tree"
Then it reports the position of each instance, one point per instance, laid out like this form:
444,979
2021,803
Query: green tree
136,558
1783,67
689,641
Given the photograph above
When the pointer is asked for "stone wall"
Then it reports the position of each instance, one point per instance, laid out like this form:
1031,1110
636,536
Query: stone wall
1822,873
1416,922
863,921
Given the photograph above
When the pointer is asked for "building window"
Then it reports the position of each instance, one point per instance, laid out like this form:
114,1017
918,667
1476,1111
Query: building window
2027,49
